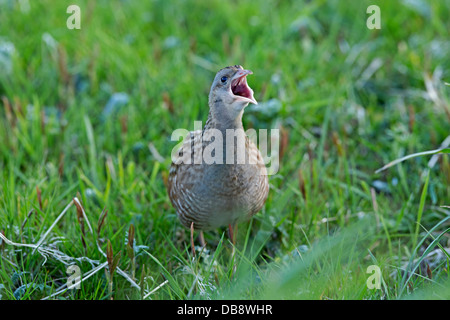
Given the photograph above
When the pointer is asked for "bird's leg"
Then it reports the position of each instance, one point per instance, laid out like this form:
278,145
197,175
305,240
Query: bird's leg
192,239
202,239
232,229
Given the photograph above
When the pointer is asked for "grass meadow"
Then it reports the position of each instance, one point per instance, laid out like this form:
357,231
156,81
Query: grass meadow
86,117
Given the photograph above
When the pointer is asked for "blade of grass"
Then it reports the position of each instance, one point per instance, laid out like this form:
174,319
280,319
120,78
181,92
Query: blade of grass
421,207
173,283
414,155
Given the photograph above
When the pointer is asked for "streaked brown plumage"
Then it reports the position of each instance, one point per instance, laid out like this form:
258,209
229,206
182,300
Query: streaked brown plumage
208,196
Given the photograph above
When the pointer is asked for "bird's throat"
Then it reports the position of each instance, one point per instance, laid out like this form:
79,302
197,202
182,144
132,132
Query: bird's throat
221,117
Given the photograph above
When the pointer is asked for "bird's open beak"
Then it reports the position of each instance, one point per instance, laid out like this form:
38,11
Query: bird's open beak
240,88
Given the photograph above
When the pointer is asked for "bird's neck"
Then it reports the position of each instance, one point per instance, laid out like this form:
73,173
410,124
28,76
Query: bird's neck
218,118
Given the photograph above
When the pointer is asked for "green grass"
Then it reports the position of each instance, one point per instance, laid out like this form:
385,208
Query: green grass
349,100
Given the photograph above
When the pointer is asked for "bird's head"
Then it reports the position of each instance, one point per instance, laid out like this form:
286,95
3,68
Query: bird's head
230,93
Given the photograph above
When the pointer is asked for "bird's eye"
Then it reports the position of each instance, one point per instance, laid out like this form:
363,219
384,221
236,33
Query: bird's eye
224,79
